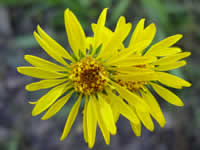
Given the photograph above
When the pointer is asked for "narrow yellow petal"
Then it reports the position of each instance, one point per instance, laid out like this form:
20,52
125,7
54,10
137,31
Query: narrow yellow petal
107,116
99,28
42,63
172,58
49,50
127,52
155,110
167,95
146,119
131,69
75,33
44,84
171,80
48,99
130,97
57,106
104,36
119,35
112,103
137,33
91,121
33,103
122,107
138,76
85,127
123,26
148,35
71,118
89,42
167,42
136,128
135,60
40,73
102,125
171,66
52,43
165,51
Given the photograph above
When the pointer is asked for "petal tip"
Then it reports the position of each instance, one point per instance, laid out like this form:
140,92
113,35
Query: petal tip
62,138
34,113
19,69
44,118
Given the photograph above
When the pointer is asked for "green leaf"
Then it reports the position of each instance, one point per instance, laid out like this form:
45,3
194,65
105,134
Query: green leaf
80,53
120,9
73,56
90,50
96,53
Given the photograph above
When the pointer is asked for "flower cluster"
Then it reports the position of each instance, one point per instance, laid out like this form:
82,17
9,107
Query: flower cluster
110,79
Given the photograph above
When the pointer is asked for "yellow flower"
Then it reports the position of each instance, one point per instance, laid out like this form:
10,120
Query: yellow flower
110,79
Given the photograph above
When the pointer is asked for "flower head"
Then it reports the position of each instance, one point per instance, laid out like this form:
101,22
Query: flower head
110,78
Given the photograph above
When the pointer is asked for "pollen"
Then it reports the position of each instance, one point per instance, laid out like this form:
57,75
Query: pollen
88,76
132,86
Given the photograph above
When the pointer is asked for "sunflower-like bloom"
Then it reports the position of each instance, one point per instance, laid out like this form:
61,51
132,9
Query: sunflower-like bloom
109,78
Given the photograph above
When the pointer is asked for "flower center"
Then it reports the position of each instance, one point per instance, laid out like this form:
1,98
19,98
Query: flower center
87,76
132,86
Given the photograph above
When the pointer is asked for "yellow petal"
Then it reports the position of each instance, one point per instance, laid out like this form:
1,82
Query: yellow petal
127,52
112,103
167,42
106,33
52,43
130,97
155,110
146,120
44,84
131,69
99,28
57,106
121,32
171,80
48,99
137,33
172,58
91,121
75,33
49,50
89,42
171,66
122,107
167,95
40,73
123,26
148,35
85,127
138,76
165,51
135,60
136,128
107,116
102,126
71,118
33,103
42,63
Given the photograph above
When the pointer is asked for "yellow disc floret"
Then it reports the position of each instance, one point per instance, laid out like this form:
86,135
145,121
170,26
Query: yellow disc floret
87,76
132,86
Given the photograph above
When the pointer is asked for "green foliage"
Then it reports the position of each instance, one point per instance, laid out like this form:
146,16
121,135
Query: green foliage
120,9
25,41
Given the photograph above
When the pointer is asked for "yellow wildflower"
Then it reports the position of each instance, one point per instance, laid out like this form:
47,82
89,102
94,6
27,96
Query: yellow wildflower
110,78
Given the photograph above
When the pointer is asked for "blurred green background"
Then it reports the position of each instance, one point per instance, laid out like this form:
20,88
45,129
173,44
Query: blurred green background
19,18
